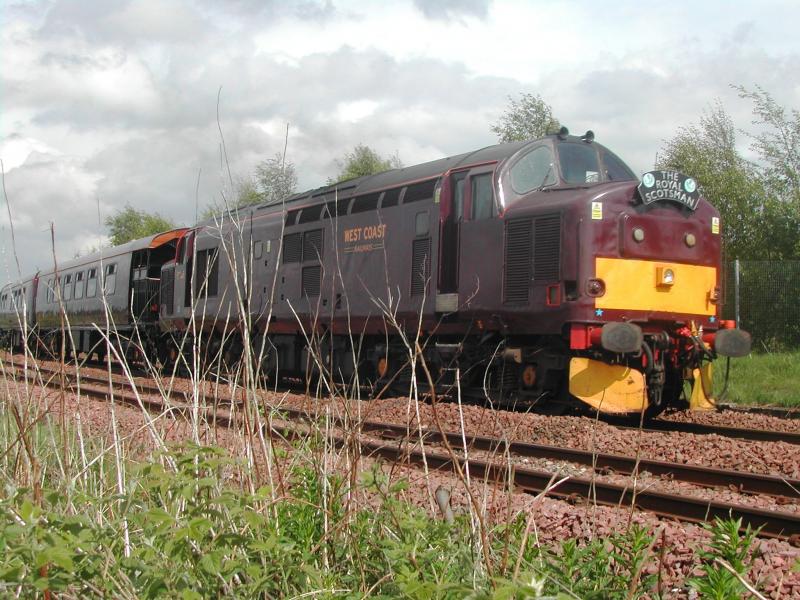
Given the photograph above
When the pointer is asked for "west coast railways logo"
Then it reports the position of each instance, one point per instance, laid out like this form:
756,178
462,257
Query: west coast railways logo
364,239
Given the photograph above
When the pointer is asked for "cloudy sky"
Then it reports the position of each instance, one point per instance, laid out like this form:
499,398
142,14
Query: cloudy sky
112,102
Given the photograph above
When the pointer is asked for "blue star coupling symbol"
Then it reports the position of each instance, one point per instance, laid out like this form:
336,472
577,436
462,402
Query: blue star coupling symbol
712,319
598,312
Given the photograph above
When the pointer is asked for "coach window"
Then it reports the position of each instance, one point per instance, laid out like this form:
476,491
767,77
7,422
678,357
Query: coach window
258,249
91,283
79,285
533,171
66,291
482,198
110,281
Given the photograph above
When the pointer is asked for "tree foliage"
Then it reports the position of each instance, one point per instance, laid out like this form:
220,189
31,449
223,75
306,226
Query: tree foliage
778,144
527,118
362,161
131,224
274,180
756,223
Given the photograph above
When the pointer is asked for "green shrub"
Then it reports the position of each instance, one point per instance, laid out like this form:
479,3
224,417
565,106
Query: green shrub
187,530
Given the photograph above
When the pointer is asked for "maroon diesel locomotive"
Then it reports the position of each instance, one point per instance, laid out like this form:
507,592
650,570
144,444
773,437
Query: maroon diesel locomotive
537,272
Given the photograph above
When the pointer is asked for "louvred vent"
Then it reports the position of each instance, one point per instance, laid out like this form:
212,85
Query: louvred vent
292,247
311,280
518,260
168,289
420,265
312,245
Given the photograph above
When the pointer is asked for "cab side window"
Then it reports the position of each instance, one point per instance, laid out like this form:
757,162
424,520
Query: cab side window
459,181
482,197
533,171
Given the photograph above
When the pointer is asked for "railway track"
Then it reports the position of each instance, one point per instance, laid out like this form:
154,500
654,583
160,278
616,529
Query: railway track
651,426
396,443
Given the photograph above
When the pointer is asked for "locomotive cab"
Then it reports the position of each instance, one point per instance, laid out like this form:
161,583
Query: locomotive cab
625,274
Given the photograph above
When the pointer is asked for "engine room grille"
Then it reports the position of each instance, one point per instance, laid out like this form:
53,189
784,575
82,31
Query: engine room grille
518,260
311,280
312,245
292,247
168,290
547,248
420,265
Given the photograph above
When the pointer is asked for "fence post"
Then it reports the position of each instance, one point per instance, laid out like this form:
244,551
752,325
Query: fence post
736,274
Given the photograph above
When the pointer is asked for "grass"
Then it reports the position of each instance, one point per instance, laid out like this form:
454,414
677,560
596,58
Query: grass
767,379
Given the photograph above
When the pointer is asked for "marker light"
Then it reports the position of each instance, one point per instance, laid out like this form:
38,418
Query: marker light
638,234
690,240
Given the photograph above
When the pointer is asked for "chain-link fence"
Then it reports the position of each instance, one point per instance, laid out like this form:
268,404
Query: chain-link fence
763,296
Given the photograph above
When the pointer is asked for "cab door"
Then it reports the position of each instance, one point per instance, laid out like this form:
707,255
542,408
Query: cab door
481,235
452,214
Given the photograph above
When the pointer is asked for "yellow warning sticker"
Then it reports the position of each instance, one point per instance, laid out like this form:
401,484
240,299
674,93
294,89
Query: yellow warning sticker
715,225
597,211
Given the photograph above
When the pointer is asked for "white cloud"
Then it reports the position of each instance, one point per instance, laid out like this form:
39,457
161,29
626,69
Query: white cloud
352,112
117,100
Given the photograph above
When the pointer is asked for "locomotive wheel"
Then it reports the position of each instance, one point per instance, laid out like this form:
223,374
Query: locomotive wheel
232,355
167,355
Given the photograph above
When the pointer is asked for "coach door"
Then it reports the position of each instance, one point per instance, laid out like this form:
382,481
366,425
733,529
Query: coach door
452,214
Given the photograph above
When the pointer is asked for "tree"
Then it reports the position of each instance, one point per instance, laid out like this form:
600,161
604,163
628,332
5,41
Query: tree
131,224
362,161
528,118
276,179
755,224
778,144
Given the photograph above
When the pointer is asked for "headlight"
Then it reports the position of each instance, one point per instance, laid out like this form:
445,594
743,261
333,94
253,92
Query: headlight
665,276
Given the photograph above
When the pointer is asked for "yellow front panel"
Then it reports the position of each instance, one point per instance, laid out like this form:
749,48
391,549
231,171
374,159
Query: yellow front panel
634,285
